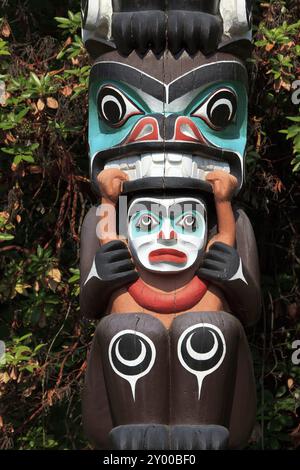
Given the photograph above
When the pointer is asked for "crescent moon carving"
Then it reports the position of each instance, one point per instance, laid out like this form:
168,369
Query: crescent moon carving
134,362
202,356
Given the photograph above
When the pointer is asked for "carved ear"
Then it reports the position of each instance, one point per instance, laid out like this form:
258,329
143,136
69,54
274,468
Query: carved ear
237,18
96,22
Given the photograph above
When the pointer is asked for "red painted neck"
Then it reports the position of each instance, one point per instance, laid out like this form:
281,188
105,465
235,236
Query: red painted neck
168,302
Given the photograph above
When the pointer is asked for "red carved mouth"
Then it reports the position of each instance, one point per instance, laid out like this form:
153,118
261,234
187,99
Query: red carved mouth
167,255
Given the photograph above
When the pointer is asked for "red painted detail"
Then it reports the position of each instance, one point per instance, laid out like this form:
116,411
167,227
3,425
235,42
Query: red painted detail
168,302
141,127
187,131
167,255
172,236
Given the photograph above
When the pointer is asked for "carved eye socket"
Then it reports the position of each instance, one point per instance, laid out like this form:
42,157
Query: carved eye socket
114,107
219,110
188,222
147,223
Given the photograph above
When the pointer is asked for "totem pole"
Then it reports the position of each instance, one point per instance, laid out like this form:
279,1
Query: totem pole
168,262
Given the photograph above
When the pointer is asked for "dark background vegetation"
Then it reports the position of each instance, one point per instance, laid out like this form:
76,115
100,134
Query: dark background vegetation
45,193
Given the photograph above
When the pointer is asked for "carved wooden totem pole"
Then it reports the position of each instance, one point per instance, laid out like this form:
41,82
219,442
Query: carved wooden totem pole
168,261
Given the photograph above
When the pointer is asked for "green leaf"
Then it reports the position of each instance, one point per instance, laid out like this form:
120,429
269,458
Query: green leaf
35,79
5,237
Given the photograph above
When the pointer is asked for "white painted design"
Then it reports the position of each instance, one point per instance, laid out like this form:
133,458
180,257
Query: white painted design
108,99
92,273
202,111
191,244
161,164
132,379
167,164
221,102
235,18
99,20
202,356
168,85
121,99
135,362
239,275
200,375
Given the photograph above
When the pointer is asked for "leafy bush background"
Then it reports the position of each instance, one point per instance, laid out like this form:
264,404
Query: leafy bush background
45,193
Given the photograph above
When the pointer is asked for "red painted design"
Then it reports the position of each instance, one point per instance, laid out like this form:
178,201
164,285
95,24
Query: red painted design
164,302
187,131
167,255
172,236
136,134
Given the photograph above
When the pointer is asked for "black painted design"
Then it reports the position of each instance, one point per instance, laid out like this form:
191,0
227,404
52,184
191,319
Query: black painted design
114,265
131,356
84,11
210,6
219,110
214,72
220,263
114,107
131,348
249,7
202,348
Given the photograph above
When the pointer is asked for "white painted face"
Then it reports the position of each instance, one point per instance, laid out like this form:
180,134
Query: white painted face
167,235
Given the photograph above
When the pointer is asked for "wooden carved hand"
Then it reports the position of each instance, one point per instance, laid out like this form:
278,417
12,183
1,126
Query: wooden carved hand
223,184
111,184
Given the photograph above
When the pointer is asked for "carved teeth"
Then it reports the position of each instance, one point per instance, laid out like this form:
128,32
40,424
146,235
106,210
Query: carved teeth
167,164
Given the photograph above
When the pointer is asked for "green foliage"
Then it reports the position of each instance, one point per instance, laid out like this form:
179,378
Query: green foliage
293,132
280,54
5,227
272,199
45,192
71,24
3,48
21,356
20,153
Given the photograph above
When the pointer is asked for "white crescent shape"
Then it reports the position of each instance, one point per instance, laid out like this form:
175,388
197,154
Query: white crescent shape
135,362
223,101
112,98
202,356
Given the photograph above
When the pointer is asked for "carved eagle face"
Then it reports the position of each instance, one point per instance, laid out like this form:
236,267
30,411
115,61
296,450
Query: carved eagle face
168,118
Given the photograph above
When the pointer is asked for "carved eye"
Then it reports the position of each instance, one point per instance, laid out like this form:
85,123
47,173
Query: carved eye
114,107
188,222
147,223
219,110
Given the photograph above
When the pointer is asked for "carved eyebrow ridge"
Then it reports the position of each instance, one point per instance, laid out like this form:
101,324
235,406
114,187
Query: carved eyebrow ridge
220,71
131,75
156,207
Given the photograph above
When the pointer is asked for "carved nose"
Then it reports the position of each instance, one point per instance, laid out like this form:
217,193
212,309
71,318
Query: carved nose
162,236
171,128
145,130
167,239
187,131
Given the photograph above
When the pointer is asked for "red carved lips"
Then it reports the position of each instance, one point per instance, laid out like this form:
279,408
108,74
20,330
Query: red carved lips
167,255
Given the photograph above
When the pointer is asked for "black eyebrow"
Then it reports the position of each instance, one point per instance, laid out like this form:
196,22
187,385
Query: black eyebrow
148,205
128,74
219,71
192,205
176,207
203,75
